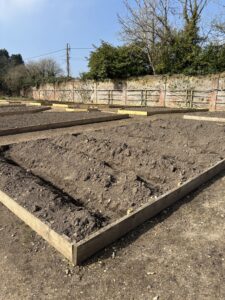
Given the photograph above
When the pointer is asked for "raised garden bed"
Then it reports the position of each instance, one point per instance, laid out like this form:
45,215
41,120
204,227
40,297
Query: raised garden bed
10,105
218,114
149,111
10,110
207,116
109,180
50,120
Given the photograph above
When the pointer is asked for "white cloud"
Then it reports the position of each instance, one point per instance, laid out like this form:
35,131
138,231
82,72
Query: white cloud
12,8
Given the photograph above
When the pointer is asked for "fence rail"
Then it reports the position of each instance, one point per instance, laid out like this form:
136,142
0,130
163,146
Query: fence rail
213,98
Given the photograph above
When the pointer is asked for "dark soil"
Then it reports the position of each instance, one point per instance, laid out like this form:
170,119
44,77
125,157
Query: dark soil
9,122
12,105
64,214
217,114
17,108
180,254
114,171
156,108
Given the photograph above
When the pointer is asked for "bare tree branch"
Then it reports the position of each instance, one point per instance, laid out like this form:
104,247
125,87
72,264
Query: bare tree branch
147,22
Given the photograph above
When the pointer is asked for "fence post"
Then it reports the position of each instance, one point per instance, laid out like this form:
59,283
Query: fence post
96,96
111,97
146,97
54,92
125,92
108,97
192,98
142,97
163,93
214,95
95,92
162,98
186,100
73,93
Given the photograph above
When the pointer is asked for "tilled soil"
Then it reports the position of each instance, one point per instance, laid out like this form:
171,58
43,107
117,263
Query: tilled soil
17,108
217,114
46,201
180,254
12,105
111,172
9,122
158,109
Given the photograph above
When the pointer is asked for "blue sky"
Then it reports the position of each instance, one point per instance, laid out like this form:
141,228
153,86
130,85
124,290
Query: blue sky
33,27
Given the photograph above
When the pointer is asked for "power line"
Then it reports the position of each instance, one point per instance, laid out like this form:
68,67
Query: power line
56,51
82,48
68,57
45,54
73,57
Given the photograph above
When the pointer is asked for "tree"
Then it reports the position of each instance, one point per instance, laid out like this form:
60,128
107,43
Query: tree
147,23
16,60
211,59
109,62
49,68
218,31
4,59
220,27
192,12
15,75
152,23
16,79
188,41
7,63
43,70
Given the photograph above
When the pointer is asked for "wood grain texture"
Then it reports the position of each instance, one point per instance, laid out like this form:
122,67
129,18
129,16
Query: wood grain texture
56,240
201,118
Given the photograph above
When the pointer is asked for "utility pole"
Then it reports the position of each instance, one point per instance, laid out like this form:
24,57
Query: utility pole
68,59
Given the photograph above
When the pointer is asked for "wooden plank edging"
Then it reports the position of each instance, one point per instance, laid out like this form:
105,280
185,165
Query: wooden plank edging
33,104
201,118
22,112
112,232
133,112
157,112
12,105
77,109
60,105
58,241
41,127
79,252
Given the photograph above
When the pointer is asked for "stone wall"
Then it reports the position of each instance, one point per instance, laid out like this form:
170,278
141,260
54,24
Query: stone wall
172,91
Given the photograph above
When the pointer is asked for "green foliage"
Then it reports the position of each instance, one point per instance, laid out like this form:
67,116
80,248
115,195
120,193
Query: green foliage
183,55
15,79
15,75
109,62
179,57
168,50
7,63
210,60
16,60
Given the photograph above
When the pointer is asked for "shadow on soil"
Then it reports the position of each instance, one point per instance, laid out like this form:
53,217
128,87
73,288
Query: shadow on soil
148,225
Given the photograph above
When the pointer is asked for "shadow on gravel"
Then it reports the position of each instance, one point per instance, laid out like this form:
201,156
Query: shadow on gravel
148,225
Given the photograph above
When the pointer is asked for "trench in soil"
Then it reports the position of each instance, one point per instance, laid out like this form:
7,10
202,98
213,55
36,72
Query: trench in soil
79,183
58,209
